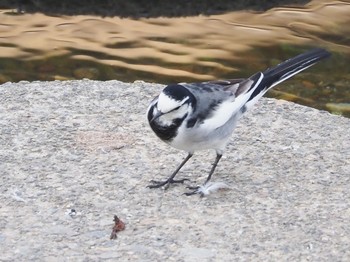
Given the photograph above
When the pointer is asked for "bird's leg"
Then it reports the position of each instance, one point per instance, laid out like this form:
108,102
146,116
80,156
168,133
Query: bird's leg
195,188
217,159
171,180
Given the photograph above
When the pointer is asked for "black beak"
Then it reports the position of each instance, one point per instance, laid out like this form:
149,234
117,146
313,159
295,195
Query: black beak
156,115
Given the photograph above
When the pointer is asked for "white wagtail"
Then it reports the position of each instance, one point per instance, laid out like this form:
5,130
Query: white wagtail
197,116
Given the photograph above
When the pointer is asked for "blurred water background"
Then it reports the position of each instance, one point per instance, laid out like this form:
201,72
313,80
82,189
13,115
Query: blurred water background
166,42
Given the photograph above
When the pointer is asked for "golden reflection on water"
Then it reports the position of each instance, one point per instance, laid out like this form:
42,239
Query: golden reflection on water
194,48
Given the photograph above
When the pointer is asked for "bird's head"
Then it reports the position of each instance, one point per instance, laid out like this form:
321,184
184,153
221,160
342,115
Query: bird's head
174,102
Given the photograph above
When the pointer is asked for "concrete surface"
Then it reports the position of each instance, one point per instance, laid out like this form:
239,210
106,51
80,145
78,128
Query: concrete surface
85,145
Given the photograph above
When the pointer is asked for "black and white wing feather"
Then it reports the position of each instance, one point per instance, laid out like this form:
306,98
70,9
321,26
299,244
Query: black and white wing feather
283,71
235,96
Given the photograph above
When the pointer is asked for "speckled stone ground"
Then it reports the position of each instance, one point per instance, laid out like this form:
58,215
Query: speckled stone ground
85,145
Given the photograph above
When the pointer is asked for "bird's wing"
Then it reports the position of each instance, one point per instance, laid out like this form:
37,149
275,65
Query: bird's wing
225,83
218,101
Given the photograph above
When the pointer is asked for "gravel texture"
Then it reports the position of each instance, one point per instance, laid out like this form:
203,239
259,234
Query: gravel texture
85,145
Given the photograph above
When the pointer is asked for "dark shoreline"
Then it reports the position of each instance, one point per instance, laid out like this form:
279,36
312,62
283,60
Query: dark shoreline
143,8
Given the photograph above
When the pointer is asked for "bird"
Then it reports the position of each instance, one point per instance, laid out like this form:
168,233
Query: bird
203,115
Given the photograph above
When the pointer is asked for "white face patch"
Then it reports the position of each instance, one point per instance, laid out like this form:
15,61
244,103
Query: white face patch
168,118
171,109
166,103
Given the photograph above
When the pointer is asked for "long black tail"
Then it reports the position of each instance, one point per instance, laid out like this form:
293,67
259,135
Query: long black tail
292,66
275,75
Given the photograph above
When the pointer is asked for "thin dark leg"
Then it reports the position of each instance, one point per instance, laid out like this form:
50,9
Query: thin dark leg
217,159
170,180
195,188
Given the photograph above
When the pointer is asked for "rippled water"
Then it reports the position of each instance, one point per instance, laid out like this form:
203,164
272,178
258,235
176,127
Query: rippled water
235,44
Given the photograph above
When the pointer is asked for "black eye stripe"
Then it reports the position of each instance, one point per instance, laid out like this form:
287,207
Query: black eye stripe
174,109
183,102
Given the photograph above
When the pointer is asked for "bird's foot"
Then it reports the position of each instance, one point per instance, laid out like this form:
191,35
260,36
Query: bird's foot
195,191
207,188
166,183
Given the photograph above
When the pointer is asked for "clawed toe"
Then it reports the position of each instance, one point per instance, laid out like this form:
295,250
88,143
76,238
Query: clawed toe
166,183
193,187
157,184
195,191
